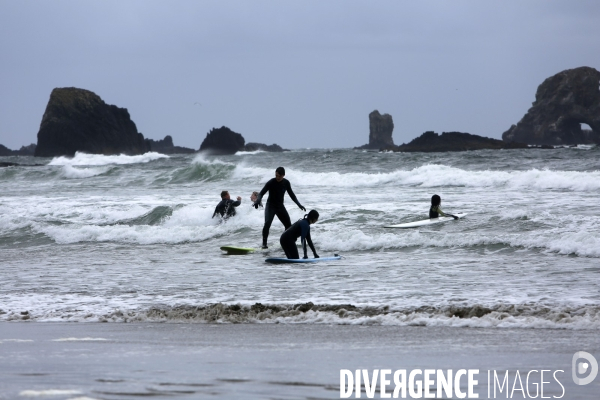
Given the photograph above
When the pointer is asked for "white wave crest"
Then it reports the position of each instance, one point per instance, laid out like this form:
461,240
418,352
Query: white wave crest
70,172
434,175
48,392
203,159
98,159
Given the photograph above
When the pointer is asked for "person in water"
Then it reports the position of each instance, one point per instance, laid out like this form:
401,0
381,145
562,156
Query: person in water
276,188
435,211
226,207
300,229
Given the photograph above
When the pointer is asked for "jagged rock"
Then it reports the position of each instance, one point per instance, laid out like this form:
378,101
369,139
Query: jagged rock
78,120
261,146
23,151
562,103
5,151
222,141
454,141
165,146
380,131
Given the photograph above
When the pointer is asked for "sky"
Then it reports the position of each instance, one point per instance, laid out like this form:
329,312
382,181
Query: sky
302,74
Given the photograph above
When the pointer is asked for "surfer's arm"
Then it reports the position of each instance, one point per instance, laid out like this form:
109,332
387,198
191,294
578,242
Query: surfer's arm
443,214
305,237
293,196
312,246
261,194
236,203
216,211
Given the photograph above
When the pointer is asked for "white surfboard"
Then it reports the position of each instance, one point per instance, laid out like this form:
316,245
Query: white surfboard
424,222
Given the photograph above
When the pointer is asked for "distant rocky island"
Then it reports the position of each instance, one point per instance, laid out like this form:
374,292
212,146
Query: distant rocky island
223,141
454,141
562,103
23,151
166,146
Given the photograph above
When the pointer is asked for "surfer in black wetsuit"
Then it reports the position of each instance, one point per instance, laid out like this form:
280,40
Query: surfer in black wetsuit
226,207
276,188
300,229
435,211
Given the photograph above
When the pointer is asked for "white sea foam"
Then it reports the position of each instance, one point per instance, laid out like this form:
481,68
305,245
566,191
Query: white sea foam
48,392
70,172
84,339
202,158
244,153
97,159
434,175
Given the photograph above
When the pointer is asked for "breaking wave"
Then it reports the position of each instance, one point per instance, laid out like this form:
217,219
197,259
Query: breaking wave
460,316
98,159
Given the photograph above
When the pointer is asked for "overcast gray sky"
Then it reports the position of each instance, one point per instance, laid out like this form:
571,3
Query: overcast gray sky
296,73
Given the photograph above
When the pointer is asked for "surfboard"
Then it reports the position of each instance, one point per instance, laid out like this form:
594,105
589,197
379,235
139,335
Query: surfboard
425,222
237,250
301,260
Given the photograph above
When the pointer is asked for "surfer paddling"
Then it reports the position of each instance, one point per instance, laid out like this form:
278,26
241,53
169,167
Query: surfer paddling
226,207
274,207
300,229
435,211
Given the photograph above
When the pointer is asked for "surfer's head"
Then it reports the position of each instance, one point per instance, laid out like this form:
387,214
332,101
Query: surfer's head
254,196
279,173
224,194
436,200
312,216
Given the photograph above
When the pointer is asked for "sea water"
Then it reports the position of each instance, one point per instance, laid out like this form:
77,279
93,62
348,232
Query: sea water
131,239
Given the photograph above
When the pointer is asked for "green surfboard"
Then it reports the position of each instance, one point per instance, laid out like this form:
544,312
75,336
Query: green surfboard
237,250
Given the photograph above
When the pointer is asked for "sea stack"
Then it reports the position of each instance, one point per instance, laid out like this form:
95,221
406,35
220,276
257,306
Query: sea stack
78,120
562,103
381,128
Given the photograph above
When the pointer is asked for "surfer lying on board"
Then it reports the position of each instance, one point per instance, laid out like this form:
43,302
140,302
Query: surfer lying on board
300,229
435,211
226,207
276,188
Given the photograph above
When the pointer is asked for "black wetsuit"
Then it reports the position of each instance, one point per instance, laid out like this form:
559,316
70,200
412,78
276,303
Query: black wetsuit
275,205
300,229
226,208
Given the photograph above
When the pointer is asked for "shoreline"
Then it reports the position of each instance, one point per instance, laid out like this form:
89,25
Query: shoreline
257,361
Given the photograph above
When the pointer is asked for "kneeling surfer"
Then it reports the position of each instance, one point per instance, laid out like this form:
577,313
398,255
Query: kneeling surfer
299,229
435,211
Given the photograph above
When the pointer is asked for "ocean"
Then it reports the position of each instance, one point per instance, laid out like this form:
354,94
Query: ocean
130,241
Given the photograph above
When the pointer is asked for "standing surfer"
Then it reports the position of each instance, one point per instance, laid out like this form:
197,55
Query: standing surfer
300,229
276,188
435,211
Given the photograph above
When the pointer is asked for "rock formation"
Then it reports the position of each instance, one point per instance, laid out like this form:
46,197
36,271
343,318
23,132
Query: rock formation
380,131
454,141
562,103
23,151
225,141
261,146
165,146
222,141
78,120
